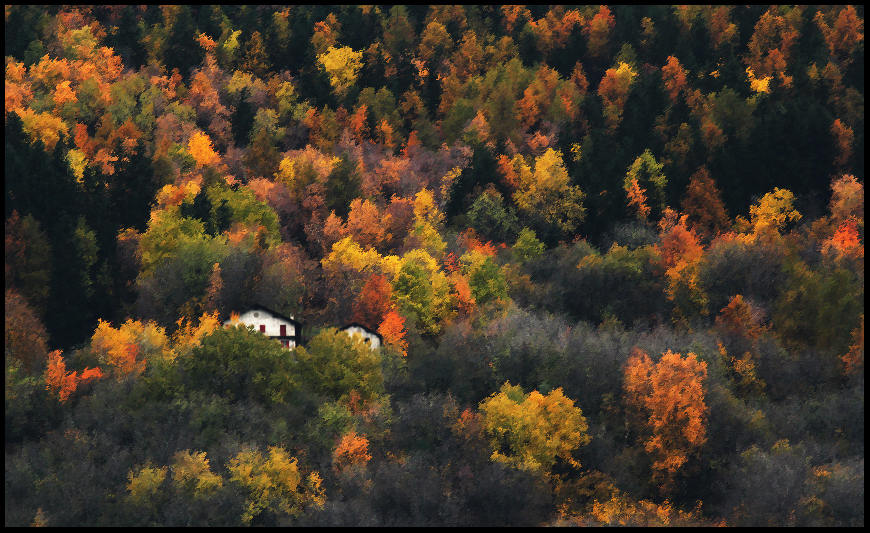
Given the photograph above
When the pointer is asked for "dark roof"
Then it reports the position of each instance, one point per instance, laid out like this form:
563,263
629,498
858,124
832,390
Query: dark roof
266,309
367,330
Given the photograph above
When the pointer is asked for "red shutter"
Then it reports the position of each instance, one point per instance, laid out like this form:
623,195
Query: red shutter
262,328
283,331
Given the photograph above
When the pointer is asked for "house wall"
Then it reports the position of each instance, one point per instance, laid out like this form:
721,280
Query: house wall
373,339
273,325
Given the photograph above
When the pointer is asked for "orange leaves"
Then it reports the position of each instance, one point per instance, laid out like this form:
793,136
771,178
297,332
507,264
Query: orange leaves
64,94
325,34
682,255
359,124
613,89
57,379
374,302
847,200
680,243
846,241
599,31
843,38
668,400
187,336
392,329
637,200
538,96
674,78
206,42
741,318
352,450
200,148
119,347
469,239
844,137
770,46
465,302
703,206
63,383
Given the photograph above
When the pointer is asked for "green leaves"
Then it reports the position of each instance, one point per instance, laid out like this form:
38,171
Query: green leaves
239,363
336,364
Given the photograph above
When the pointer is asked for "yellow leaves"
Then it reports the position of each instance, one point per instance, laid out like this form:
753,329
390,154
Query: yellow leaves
772,213
200,148
145,485
535,428
342,65
192,473
427,221
189,336
170,195
347,253
119,348
43,126
425,210
545,190
274,483
759,86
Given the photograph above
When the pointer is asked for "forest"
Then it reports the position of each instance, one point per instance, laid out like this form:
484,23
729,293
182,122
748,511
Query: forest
615,255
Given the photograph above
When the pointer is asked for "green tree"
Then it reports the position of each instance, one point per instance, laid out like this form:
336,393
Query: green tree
238,363
337,365
649,177
489,217
342,186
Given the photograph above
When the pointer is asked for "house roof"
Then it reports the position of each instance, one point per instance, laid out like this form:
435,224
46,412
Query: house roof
367,330
266,309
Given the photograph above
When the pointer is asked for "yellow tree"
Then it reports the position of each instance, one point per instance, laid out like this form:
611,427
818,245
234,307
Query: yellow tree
533,428
772,213
545,190
667,399
274,483
342,65
200,148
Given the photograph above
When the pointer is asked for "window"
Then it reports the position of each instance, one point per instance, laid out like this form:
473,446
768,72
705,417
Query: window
262,328
283,331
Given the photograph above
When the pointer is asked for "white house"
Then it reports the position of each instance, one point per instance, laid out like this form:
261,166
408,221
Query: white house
373,338
272,324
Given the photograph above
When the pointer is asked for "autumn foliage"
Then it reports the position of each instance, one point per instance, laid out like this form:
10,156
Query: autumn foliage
668,399
516,198
352,450
63,384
